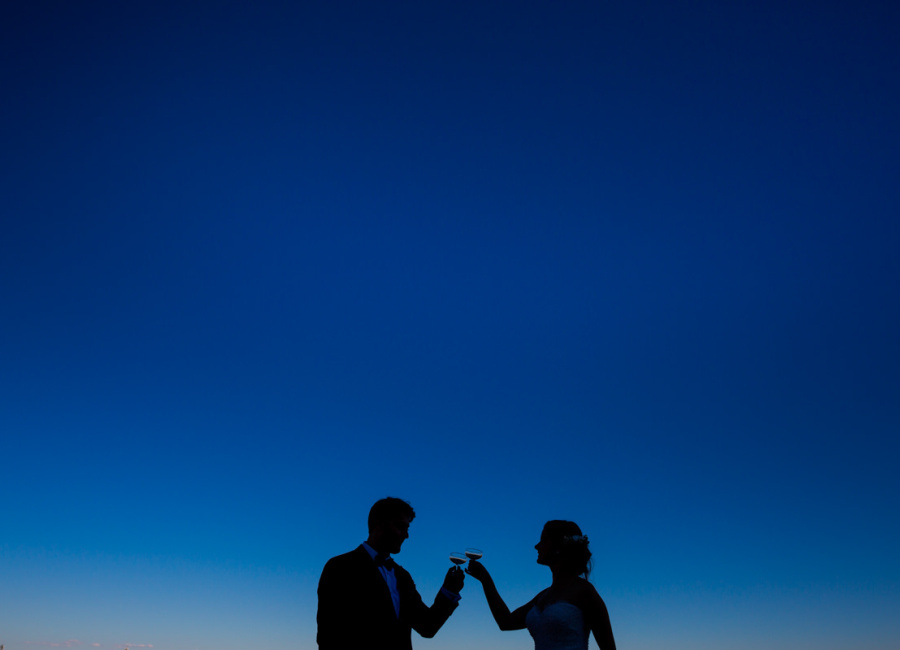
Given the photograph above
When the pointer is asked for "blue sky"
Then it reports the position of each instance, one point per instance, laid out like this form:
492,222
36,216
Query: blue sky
633,265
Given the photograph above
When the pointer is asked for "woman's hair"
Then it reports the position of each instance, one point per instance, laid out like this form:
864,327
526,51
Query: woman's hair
573,552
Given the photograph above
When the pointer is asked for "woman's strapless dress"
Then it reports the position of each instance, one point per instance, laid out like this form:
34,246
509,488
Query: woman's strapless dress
559,626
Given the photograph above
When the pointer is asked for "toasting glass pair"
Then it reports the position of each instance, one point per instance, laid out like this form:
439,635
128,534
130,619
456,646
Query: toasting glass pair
461,558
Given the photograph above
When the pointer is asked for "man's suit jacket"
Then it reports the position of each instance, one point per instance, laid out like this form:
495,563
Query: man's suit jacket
356,610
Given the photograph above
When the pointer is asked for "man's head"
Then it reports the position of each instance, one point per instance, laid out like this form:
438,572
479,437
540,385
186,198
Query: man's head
389,521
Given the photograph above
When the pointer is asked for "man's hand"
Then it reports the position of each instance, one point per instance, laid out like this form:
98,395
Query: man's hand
454,579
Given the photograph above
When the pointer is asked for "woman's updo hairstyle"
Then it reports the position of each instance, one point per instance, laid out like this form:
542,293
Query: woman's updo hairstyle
572,552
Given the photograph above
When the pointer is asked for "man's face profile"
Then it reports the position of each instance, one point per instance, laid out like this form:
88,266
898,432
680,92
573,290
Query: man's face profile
392,533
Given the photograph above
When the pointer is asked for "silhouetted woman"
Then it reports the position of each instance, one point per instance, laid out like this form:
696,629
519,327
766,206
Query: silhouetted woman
563,615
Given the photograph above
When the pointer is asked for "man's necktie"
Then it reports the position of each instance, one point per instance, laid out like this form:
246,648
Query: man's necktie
385,561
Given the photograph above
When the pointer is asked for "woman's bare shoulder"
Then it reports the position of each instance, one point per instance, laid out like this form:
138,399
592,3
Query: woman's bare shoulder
588,597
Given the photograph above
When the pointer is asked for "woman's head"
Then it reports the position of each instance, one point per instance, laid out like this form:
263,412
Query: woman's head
563,546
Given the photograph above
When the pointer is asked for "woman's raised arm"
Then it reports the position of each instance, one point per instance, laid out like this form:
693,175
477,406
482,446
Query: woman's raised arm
505,619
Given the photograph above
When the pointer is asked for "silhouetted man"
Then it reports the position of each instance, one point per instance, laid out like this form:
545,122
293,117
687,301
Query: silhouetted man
366,600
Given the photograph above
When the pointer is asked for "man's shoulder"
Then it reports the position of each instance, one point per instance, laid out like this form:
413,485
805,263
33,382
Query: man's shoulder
350,557
342,567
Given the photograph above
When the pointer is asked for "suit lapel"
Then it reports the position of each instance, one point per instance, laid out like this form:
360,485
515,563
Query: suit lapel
377,582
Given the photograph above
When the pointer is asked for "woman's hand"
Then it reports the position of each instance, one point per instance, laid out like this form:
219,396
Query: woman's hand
476,570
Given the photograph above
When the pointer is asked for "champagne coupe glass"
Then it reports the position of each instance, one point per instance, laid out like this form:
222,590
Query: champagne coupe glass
458,558
474,553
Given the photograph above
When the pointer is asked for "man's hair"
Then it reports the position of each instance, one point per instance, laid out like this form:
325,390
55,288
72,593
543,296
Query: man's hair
389,508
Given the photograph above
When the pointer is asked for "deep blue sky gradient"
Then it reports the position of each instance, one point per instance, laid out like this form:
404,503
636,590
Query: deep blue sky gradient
631,264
